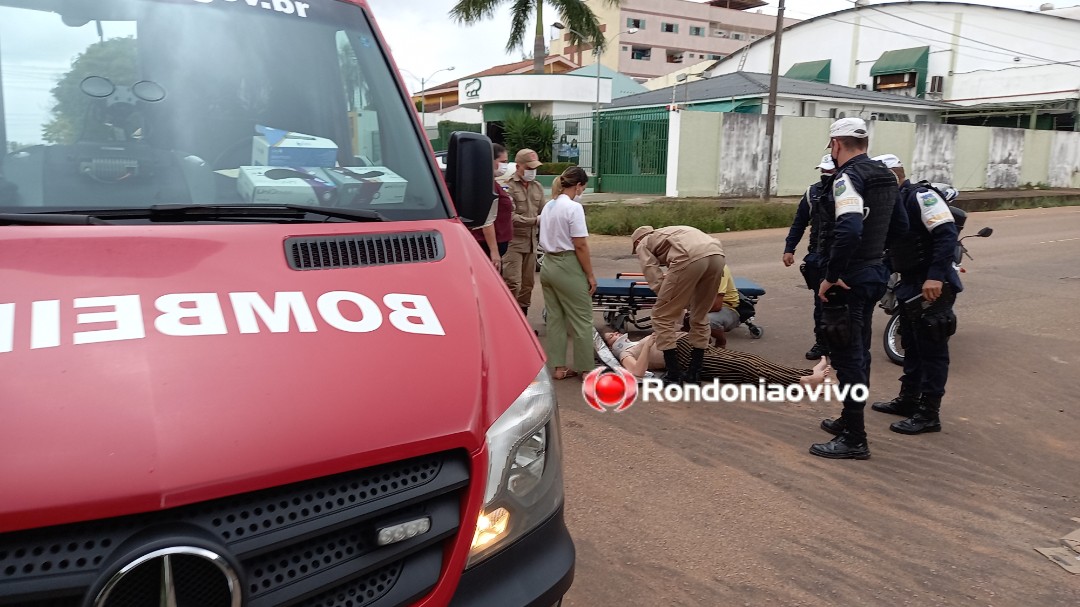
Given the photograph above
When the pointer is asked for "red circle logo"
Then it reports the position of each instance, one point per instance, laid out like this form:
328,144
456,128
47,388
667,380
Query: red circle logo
604,389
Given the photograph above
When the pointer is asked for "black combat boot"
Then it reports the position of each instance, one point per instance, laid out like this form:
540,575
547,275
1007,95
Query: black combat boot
835,427
817,352
926,419
674,373
843,446
693,374
906,404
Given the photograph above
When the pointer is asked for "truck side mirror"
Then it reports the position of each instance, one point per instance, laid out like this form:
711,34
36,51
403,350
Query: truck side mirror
470,176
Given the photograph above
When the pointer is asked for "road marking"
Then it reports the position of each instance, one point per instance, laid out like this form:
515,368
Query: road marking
1008,216
1062,240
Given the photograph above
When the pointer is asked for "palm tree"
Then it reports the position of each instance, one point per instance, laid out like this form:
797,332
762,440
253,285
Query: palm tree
576,14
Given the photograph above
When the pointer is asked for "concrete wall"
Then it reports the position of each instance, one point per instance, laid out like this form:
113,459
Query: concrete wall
897,138
699,153
744,152
802,145
724,154
1006,150
1036,166
1065,160
935,152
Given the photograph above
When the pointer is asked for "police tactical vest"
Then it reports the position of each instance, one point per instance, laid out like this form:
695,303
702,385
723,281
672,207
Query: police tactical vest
879,193
914,253
814,196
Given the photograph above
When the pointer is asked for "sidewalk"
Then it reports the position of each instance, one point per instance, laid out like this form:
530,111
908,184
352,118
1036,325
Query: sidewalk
974,200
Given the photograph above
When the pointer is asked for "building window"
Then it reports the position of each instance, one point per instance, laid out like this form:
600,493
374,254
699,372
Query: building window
635,23
572,128
641,53
736,36
674,56
697,31
669,28
716,57
903,84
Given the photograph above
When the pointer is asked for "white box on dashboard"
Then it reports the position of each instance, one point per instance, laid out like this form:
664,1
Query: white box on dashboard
363,186
282,185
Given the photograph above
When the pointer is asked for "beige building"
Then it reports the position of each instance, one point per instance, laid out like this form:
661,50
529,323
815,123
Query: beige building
672,34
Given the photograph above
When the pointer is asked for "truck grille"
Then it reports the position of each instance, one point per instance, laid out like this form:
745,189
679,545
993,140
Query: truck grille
310,544
327,252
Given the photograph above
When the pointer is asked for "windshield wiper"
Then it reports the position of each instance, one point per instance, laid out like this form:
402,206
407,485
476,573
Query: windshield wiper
49,219
223,211
190,212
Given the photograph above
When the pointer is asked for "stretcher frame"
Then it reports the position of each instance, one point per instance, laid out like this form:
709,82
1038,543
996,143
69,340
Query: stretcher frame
627,300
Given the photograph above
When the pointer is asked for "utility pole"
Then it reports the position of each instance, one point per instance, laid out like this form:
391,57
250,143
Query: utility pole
770,127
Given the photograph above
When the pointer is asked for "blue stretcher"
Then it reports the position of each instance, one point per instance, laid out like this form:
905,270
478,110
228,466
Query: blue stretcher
627,300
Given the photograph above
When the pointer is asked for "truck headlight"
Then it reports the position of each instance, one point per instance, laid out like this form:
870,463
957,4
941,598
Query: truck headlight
524,483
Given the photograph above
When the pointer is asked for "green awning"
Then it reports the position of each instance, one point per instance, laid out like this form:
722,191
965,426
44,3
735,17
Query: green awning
813,71
902,61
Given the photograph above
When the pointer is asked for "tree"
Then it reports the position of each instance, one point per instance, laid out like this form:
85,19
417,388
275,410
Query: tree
523,130
576,15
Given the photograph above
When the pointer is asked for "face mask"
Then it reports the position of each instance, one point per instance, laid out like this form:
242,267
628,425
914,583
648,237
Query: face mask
577,198
502,168
530,175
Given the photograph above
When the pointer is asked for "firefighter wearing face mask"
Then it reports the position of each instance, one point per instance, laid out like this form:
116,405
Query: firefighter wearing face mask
519,263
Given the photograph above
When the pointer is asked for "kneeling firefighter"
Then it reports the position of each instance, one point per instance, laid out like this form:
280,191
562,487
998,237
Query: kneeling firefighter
926,293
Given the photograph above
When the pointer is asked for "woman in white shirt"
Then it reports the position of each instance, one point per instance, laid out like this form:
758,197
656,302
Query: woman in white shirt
567,276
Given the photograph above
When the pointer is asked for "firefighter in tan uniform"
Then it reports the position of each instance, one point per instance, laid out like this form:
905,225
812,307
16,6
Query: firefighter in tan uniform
519,263
695,263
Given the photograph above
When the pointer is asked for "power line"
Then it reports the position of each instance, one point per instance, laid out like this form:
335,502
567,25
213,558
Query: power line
946,45
930,27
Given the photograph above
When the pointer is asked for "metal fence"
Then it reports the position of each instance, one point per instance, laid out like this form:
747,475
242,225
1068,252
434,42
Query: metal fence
633,149
574,140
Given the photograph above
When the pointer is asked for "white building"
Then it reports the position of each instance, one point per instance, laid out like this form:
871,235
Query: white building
1005,67
669,34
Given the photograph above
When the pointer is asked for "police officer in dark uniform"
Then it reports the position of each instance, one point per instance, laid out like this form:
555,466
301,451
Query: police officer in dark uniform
929,282
857,222
813,263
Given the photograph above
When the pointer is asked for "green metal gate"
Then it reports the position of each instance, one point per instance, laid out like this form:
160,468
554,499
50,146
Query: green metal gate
633,149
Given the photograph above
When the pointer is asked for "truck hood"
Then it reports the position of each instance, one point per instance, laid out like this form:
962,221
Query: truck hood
150,367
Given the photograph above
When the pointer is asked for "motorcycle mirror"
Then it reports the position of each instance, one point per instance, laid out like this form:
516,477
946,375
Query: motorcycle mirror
985,232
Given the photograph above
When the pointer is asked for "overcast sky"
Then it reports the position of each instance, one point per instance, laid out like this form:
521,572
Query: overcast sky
425,40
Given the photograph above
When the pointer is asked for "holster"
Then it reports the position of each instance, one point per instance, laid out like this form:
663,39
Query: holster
835,326
812,275
811,271
937,322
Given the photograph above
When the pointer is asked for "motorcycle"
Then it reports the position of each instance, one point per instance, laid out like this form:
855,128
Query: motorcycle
894,348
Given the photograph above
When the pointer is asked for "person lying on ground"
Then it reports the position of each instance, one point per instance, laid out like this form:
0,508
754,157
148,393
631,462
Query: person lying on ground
728,366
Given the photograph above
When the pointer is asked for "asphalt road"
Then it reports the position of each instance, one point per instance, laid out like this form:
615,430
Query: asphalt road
721,504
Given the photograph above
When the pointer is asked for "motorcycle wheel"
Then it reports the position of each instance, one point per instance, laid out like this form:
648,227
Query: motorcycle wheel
893,349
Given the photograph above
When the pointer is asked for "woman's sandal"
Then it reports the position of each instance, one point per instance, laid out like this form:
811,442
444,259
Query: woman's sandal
564,374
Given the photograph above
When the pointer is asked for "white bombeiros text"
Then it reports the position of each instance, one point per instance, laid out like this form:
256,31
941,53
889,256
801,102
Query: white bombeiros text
122,317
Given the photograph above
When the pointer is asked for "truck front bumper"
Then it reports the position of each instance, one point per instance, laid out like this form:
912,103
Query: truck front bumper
535,571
